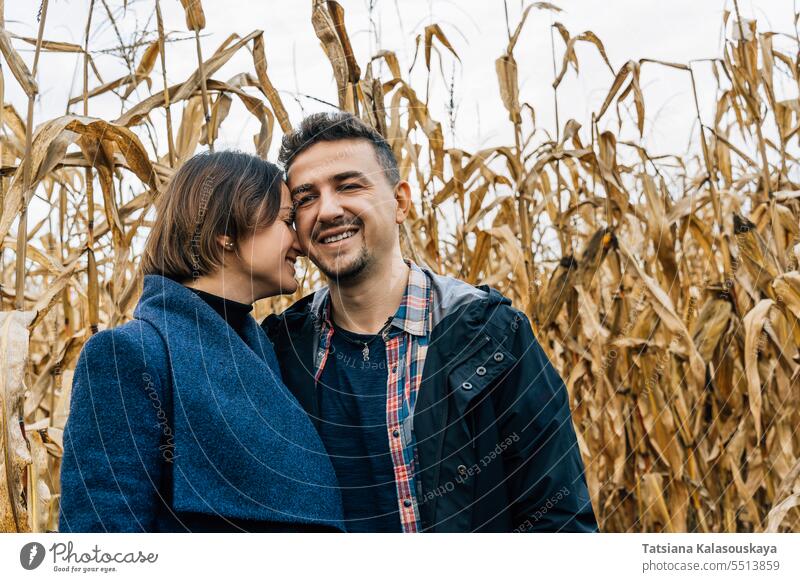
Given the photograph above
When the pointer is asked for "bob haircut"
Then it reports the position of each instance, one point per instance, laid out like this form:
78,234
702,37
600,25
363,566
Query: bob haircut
213,194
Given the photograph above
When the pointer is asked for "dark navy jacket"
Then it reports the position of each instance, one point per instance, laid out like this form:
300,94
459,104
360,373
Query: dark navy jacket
176,423
496,447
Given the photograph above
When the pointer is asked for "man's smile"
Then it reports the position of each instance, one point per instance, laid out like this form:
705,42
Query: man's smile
331,236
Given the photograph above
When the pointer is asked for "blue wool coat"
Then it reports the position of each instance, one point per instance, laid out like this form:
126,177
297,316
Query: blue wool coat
176,423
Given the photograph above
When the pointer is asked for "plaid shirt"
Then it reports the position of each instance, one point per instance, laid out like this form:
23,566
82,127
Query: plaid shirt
406,345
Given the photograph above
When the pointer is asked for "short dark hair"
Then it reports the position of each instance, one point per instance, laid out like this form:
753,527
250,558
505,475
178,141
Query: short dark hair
222,193
333,126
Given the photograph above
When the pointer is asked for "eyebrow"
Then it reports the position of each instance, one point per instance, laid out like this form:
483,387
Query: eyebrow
335,178
347,175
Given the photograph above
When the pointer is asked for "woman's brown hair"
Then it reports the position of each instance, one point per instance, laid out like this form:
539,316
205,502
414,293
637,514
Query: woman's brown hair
222,193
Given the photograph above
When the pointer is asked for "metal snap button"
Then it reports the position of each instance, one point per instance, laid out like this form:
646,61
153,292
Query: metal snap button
480,371
407,503
466,386
395,433
498,357
462,469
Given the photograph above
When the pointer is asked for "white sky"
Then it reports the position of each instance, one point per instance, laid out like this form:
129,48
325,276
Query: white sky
673,30
677,30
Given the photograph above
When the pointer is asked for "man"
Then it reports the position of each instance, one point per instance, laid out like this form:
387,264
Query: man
436,404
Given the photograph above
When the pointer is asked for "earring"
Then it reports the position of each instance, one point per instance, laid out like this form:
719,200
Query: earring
229,246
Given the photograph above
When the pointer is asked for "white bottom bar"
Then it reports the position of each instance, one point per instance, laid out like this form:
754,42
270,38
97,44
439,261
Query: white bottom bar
353,557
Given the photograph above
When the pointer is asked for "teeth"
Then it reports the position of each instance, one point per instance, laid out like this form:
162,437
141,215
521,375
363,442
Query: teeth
338,237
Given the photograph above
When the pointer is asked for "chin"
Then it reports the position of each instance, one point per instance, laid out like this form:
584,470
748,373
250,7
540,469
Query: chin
286,287
343,268
342,271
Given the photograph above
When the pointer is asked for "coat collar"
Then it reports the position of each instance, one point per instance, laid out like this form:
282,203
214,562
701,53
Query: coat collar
163,297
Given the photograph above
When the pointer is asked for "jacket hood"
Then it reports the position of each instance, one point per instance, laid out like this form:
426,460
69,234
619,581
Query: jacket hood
449,294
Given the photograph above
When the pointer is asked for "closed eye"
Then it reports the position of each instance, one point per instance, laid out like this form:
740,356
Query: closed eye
351,186
304,199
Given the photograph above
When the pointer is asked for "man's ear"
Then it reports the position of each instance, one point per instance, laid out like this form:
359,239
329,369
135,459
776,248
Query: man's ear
402,194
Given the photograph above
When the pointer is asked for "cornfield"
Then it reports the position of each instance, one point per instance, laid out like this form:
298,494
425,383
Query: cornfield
665,289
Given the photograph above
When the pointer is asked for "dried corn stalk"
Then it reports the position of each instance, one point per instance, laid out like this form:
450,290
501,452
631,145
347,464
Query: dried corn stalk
665,289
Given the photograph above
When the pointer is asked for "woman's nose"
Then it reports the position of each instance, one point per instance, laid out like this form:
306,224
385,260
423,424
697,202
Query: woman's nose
296,244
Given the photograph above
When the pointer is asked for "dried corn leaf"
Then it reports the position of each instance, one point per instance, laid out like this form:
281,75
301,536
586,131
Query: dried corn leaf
18,67
144,68
506,68
325,29
435,31
195,17
754,326
260,62
14,455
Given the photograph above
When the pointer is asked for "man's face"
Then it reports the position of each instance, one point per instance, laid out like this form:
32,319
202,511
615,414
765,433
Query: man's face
346,211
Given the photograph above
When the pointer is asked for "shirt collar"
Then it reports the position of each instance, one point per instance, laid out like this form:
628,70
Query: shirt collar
413,314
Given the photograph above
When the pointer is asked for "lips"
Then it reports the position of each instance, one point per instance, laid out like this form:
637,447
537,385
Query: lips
338,237
334,235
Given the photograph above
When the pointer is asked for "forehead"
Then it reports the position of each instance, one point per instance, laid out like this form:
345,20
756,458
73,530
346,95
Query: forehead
323,160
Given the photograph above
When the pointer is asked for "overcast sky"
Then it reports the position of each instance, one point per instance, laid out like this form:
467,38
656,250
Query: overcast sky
674,30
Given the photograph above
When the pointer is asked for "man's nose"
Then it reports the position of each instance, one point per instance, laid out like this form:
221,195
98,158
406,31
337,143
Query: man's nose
330,206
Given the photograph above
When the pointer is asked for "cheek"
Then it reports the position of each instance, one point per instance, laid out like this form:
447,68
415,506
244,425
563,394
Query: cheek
303,227
250,251
263,249
378,221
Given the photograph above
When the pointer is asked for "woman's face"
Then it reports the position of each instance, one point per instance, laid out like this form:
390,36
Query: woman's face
267,258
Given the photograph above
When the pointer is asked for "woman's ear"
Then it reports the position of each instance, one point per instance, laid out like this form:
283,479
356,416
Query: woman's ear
402,194
226,242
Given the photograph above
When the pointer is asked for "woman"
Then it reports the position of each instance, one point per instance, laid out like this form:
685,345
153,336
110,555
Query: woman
179,420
